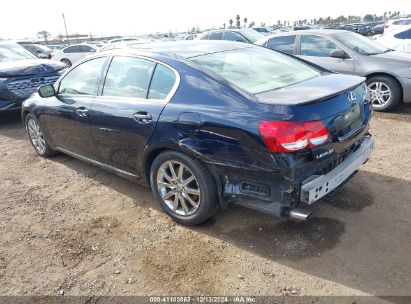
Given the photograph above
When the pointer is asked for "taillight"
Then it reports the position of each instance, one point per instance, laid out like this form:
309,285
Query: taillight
290,136
386,25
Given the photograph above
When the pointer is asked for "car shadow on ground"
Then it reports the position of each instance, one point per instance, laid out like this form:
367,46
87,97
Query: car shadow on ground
11,126
352,235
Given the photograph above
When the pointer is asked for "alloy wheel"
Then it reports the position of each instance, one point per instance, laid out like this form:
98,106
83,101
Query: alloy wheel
178,188
380,94
36,136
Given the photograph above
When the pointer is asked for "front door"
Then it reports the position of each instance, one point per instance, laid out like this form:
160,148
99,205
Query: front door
125,114
317,49
67,116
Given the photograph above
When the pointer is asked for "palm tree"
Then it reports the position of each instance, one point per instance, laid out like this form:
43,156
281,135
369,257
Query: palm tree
44,34
238,23
245,22
231,23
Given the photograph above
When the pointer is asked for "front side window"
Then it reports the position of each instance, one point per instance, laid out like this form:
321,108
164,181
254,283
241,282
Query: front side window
232,36
128,77
283,43
204,37
216,36
83,79
312,45
162,82
86,49
256,69
72,49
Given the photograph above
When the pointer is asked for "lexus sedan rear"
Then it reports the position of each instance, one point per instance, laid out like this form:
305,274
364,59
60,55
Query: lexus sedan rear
206,124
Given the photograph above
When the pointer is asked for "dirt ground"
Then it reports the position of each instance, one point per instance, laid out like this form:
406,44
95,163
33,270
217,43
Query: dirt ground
67,227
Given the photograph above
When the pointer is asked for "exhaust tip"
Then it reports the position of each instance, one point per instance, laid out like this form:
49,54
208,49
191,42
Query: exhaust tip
299,214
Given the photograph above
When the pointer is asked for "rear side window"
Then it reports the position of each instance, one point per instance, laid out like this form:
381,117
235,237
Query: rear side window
162,82
83,79
283,43
128,77
205,37
312,45
402,22
216,36
404,35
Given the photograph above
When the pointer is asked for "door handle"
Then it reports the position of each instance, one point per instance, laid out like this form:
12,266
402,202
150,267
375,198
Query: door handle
142,117
82,111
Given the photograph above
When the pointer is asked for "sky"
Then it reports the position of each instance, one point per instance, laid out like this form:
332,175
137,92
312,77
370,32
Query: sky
24,18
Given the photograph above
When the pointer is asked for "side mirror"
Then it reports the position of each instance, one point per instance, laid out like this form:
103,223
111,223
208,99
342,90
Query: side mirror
42,56
46,91
339,54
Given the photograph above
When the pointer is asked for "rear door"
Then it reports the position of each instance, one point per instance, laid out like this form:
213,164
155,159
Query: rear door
124,115
317,49
284,44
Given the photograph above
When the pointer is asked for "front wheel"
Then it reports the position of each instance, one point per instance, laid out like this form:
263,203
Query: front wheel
385,92
37,138
67,62
183,187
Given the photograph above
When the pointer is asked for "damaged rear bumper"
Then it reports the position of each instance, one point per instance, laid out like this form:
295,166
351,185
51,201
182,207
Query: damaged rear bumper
316,187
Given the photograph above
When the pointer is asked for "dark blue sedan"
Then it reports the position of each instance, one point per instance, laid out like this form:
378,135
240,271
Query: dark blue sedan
209,123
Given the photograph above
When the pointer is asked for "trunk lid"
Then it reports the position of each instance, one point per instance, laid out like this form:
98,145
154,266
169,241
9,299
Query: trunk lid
339,101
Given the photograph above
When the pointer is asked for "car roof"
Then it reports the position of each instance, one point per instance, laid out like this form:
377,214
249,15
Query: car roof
186,48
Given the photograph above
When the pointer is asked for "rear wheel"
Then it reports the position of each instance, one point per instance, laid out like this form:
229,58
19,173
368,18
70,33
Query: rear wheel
183,187
385,92
37,138
67,62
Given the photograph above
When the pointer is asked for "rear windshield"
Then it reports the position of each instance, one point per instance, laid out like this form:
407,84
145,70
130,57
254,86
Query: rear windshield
257,69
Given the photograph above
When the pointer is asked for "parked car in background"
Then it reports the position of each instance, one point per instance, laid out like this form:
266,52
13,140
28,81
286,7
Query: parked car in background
120,45
122,39
73,53
38,50
388,72
21,73
239,35
394,24
378,29
262,30
209,123
399,39
54,47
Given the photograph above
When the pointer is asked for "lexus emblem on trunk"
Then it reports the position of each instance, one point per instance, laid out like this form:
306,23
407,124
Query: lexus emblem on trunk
351,97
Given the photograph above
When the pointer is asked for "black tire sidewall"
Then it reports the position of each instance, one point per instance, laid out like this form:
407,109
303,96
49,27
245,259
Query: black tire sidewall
395,91
208,196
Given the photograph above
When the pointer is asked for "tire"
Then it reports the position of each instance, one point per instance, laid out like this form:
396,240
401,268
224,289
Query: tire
36,136
67,62
378,87
201,190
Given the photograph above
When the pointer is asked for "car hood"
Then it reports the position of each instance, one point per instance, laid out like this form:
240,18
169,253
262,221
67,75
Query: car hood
314,89
29,67
395,56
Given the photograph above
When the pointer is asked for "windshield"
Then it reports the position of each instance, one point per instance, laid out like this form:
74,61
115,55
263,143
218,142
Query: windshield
252,35
10,52
256,69
361,44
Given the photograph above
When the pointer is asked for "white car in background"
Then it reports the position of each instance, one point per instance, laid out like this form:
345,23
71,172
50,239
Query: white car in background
394,24
399,40
73,53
